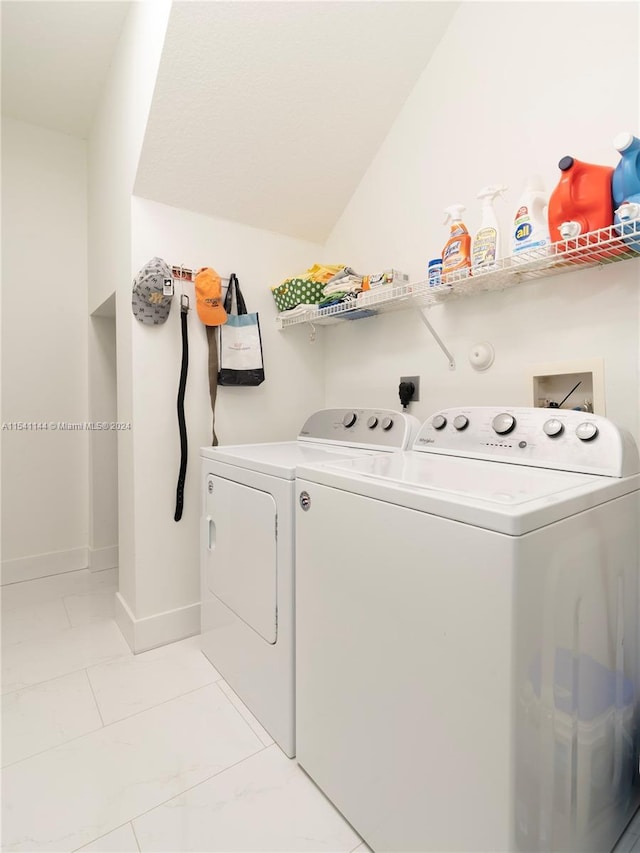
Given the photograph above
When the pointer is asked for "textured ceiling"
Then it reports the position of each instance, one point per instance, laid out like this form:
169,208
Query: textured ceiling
55,58
269,113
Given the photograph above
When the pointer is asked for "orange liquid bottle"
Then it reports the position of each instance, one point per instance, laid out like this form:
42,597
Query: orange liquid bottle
582,203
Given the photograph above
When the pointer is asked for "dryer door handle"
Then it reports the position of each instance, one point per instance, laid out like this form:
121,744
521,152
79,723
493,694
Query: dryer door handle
211,533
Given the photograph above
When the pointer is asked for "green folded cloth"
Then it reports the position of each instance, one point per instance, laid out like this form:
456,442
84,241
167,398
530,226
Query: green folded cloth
335,297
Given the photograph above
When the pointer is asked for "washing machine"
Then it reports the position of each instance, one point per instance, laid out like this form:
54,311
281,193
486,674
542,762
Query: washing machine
467,634
248,549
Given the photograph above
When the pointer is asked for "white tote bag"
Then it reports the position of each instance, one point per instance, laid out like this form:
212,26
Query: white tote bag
240,360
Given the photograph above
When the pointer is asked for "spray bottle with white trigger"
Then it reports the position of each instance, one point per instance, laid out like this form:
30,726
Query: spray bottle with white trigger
456,255
486,243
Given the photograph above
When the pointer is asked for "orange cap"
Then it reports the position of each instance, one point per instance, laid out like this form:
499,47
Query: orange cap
209,297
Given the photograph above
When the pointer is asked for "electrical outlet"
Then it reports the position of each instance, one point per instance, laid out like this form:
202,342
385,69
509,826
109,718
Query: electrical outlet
416,382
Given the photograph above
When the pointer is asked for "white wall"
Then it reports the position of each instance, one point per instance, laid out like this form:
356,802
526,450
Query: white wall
167,558
103,444
511,89
114,149
44,346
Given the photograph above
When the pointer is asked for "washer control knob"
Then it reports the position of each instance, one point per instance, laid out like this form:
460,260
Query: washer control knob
349,419
504,424
386,424
439,422
586,431
372,423
553,427
461,422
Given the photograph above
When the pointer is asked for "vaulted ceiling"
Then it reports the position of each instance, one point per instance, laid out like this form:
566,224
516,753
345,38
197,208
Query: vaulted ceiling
267,112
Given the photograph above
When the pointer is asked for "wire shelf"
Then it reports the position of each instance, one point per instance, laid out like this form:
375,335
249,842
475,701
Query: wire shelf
596,248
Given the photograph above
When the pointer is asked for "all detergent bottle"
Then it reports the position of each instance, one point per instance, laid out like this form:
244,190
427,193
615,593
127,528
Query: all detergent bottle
530,224
456,255
582,201
626,176
486,243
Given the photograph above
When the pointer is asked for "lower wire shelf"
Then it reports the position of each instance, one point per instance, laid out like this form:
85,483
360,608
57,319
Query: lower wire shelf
594,249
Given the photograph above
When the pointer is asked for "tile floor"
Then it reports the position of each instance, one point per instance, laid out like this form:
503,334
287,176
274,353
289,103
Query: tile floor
106,751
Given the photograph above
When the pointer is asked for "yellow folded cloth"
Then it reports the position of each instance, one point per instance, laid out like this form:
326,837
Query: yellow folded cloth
318,272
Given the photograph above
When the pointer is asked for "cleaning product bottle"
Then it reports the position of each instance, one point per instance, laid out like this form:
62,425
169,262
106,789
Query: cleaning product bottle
626,175
625,186
582,201
456,255
530,227
486,243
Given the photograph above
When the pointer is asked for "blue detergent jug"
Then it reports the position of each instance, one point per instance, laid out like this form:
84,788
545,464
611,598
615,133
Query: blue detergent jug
626,177
625,187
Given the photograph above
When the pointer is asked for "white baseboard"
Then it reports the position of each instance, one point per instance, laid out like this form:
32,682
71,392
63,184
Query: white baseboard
103,558
159,629
43,565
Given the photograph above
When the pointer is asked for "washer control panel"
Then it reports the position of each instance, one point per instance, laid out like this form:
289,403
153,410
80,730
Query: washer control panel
544,438
381,429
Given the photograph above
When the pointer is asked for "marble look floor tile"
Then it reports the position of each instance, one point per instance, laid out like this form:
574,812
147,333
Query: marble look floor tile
121,840
257,727
33,621
634,825
73,794
46,715
66,651
265,803
88,607
46,589
127,686
629,843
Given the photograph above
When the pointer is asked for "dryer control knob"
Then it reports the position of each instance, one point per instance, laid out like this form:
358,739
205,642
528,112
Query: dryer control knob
504,424
461,422
553,427
586,431
349,419
372,423
387,423
439,422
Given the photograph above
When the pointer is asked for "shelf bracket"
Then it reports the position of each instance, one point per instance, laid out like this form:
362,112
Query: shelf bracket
436,336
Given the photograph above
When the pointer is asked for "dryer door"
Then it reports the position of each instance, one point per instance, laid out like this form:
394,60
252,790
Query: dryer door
240,542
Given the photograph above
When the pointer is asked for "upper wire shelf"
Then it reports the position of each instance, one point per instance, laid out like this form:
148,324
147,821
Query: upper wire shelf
592,249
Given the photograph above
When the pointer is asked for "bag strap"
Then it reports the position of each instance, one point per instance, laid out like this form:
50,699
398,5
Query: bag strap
212,341
234,286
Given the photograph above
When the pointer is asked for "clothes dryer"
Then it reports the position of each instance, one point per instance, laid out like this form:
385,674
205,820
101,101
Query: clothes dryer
467,634
248,549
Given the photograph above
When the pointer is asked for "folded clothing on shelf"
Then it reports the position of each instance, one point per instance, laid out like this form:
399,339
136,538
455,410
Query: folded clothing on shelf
344,273
350,284
300,309
337,299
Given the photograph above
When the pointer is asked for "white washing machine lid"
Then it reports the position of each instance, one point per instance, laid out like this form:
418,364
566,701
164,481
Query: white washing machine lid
279,459
498,496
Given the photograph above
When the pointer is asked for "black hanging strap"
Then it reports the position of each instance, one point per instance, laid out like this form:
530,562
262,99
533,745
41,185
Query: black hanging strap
234,287
184,310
